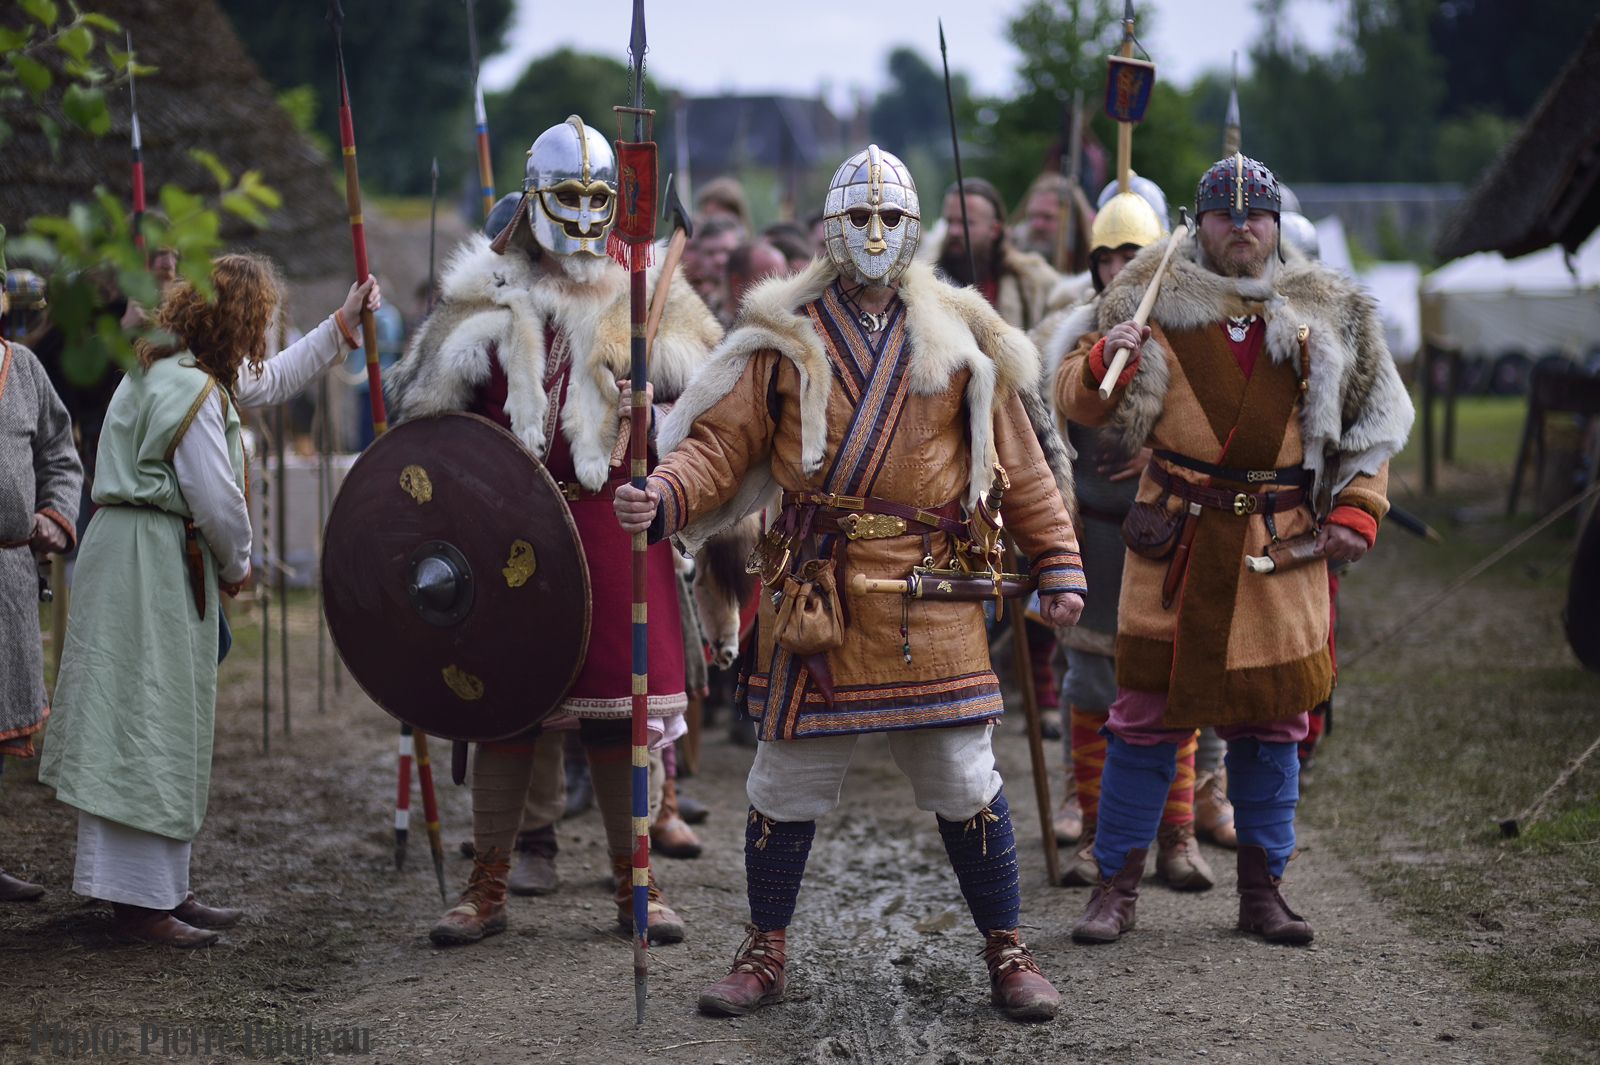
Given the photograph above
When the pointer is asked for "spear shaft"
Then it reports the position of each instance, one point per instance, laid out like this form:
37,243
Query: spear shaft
955,151
639,309
138,154
369,338
480,116
433,229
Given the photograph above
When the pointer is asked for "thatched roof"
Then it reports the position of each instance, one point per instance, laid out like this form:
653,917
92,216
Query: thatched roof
1545,188
206,94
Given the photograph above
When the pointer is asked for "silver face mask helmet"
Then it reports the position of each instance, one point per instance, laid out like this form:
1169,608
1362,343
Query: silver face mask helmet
871,220
570,193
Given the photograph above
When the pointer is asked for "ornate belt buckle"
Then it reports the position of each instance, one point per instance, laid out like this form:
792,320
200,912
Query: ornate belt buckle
863,526
1257,476
770,559
1244,503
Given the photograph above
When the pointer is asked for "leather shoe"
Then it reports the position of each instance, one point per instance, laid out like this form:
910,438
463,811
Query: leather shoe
1081,869
1016,983
1213,813
14,890
192,911
1068,821
481,909
158,927
662,923
1179,861
756,978
669,835
1262,909
692,810
1111,908
534,872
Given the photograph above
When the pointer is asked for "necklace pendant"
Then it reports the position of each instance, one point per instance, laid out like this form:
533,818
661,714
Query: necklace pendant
1239,328
873,323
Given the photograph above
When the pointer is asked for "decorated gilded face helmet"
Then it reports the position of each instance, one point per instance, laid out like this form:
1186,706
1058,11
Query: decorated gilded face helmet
571,189
871,220
1238,185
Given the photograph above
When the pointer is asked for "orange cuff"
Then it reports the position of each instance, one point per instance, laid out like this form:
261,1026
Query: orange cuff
344,329
1096,364
1356,520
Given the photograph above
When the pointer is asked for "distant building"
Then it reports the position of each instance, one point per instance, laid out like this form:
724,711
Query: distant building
776,145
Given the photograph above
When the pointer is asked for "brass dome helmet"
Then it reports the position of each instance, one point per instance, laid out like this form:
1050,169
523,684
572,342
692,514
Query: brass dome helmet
1126,219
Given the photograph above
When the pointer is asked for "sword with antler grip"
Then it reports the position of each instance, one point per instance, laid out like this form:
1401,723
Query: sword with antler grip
1141,316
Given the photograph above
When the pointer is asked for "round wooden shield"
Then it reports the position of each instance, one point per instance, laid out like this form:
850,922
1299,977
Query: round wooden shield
453,581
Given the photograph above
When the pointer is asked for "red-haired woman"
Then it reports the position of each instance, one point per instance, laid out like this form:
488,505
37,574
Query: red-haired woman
131,735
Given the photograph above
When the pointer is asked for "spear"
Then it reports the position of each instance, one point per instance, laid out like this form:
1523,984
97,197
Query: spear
630,244
138,154
369,339
955,149
480,115
1230,123
433,228
1071,164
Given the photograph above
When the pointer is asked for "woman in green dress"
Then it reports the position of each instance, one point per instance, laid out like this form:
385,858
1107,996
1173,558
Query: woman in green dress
131,739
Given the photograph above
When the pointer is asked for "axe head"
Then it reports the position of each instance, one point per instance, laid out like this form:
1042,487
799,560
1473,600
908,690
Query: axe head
672,207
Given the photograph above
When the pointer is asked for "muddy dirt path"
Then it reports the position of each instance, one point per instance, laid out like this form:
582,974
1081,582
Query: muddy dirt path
884,965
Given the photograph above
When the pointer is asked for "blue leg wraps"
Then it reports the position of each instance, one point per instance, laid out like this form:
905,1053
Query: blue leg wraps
1264,784
775,855
1133,794
983,852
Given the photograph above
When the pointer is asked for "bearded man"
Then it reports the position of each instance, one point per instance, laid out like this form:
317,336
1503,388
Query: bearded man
1273,405
879,400
1016,283
532,332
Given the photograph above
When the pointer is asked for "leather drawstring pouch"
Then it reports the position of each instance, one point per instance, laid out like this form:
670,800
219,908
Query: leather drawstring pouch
810,619
1150,530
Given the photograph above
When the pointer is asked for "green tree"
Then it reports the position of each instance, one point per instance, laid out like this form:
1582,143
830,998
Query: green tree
567,82
60,69
909,115
409,71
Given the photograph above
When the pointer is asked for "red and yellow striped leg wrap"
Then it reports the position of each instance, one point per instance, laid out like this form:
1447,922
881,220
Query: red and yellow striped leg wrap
1180,797
1088,758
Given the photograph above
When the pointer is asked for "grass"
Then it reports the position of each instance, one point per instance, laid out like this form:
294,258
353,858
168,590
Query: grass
1469,719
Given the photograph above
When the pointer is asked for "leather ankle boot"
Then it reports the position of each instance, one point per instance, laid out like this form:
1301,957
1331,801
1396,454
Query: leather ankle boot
534,871
1016,983
193,912
1262,910
756,978
1110,910
158,927
14,890
1179,861
663,925
670,834
1213,813
1081,868
481,909
1068,822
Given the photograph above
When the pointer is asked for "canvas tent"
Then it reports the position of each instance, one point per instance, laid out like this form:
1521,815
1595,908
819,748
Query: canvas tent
1539,304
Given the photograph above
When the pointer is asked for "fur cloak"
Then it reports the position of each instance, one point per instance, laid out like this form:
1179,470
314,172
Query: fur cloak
1356,409
949,329
501,304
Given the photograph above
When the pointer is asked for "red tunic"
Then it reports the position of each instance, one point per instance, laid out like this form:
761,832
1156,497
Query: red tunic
604,688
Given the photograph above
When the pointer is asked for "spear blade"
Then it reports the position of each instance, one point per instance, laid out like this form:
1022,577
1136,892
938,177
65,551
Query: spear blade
955,151
137,141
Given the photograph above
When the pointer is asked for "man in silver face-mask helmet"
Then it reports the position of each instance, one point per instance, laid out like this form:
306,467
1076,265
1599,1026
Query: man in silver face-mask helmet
531,331
880,406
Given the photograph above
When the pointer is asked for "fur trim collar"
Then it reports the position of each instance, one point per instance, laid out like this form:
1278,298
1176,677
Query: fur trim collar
948,329
501,304
1356,414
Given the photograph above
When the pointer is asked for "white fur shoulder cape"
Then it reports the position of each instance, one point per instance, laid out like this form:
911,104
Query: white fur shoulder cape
502,303
948,329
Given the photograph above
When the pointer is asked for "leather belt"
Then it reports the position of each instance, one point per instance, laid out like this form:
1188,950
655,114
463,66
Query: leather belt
1239,503
6,545
1286,476
871,518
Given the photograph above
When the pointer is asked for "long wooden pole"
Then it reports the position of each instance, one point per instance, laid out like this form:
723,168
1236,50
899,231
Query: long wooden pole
1119,360
369,341
480,117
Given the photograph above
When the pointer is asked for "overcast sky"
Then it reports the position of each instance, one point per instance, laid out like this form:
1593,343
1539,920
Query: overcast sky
834,46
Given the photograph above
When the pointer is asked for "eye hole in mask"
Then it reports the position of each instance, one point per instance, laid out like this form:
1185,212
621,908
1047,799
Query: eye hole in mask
859,217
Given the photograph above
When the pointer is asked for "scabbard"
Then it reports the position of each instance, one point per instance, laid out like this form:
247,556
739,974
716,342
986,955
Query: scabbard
1178,565
196,566
1287,555
965,589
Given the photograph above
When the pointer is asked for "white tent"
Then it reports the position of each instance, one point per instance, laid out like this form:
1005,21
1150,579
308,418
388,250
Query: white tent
1488,305
1392,284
